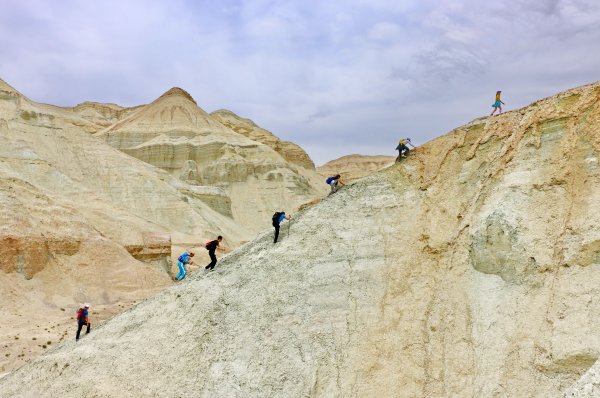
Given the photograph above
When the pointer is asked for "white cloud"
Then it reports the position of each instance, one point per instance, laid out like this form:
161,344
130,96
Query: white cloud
351,75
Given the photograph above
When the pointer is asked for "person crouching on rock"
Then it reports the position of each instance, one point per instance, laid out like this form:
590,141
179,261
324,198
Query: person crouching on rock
403,149
82,319
185,258
211,247
278,218
335,183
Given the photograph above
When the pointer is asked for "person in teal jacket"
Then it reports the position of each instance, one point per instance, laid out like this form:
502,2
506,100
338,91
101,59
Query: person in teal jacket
184,259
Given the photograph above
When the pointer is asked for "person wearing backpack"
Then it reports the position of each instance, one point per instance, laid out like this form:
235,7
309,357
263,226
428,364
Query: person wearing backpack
278,218
402,149
82,319
211,247
333,182
182,260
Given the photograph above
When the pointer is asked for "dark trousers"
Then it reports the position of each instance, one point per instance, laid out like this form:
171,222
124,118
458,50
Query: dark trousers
79,327
213,260
403,150
276,233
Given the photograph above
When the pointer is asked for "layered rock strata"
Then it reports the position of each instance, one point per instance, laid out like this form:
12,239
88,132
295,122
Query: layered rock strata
248,164
470,269
246,127
82,221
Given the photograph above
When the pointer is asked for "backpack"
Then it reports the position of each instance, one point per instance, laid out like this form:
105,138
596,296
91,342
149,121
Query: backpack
328,181
276,217
180,258
207,244
80,314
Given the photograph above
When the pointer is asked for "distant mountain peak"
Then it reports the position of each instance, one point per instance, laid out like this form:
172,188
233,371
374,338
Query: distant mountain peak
178,92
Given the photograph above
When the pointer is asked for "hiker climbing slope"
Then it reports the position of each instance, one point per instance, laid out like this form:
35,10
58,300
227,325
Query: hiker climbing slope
335,183
82,320
278,218
185,258
498,104
403,149
211,247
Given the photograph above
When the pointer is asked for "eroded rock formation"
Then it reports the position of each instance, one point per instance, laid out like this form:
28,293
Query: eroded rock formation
470,269
82,221
247,163
246,127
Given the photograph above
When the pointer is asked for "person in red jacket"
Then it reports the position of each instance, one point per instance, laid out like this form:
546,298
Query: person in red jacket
82,320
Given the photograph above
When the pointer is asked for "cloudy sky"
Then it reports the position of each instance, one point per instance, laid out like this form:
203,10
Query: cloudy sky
336,77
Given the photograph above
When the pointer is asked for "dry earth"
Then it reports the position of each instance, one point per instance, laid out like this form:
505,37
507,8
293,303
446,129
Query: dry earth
83,221
470,269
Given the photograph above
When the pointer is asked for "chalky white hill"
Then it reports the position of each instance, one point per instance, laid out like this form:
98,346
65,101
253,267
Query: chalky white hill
470,269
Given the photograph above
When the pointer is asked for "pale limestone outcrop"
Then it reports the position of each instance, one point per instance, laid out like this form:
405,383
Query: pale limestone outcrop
174,134
470,269
246,127
353,167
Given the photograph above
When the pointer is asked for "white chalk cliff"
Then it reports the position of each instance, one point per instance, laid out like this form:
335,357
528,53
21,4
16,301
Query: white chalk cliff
470,269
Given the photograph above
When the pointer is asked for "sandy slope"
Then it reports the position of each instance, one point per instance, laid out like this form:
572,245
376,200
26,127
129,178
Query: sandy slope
83,221
468,270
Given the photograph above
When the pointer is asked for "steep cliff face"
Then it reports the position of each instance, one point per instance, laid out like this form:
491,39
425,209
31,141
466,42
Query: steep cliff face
353,167
469,269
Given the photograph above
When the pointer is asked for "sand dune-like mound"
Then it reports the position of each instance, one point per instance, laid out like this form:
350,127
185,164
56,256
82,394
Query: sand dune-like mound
469,269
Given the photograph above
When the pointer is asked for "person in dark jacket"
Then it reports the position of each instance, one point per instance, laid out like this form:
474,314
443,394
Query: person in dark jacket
278,219
212,246
403,149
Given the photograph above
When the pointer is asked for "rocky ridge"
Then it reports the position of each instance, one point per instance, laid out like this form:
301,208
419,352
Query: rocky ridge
353,167
469,269
288,150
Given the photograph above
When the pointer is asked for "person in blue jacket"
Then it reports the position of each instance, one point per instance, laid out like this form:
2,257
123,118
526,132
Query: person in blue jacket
278,218
334,182
185,258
